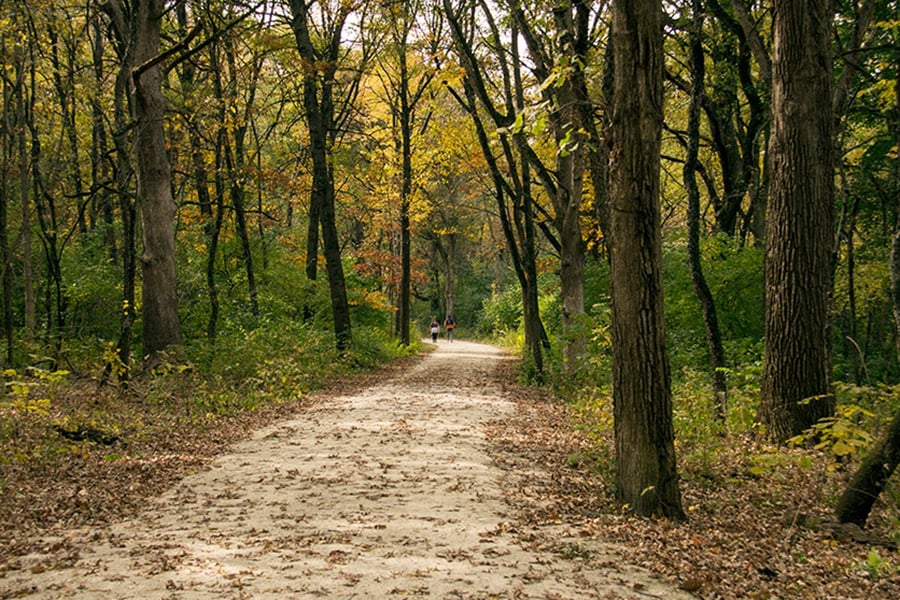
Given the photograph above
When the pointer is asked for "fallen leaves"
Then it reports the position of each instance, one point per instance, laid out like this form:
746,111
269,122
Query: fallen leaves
750,534
756,530
89,456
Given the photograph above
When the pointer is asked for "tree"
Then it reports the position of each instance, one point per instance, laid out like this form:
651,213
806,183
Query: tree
162,327
646,474
508,164
799,241
322,117
701,288
212,223
736,108
559,59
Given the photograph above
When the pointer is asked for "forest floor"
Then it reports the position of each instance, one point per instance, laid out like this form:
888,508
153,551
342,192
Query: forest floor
434,477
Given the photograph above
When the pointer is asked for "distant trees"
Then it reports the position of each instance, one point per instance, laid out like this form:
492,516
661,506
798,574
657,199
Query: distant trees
406,69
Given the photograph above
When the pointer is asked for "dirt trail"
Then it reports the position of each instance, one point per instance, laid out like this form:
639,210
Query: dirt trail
388,492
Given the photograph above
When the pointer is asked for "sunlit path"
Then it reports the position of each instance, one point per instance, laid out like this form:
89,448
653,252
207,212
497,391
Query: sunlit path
388,492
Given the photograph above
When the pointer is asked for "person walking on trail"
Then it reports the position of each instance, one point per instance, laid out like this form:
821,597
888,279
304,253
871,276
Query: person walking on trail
435,327
449,324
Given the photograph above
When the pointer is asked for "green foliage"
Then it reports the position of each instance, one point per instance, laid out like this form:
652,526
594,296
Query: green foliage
93,289
700,435
502,312
734,275
840,436
860,413
27,404
593,415
879,567
743,396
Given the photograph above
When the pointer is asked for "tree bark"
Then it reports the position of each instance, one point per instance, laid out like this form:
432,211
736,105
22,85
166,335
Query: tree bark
405,115
646,475
123,43
162,327
7,143
798,264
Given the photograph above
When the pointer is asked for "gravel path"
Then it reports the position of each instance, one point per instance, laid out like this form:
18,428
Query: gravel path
386,493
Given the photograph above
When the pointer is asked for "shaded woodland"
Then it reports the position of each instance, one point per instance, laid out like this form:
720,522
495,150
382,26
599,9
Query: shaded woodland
683,215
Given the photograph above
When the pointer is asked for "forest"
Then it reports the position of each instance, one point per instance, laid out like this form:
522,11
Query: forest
682,215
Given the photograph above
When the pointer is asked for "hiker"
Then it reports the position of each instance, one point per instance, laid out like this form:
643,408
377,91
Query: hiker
435,327
449,324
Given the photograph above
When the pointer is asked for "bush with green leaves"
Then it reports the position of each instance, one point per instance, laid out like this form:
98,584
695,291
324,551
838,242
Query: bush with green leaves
734,274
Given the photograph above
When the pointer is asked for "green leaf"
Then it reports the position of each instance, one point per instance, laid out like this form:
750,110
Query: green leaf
519,125
842,448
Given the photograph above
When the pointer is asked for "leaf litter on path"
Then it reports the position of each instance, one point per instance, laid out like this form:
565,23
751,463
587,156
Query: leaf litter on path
399,488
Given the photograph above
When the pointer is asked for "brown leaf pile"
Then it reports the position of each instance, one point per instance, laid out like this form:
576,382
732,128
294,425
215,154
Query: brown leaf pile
749,535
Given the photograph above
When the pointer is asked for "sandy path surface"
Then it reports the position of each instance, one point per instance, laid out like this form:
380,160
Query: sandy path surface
386,493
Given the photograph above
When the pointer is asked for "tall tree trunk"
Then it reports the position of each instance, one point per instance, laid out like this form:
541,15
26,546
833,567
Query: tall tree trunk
852,349
213,229
646,475
318,89
22,108
450,277
798,266
236,164
123,44
162,327
536,339
701,289
403,314
7,145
